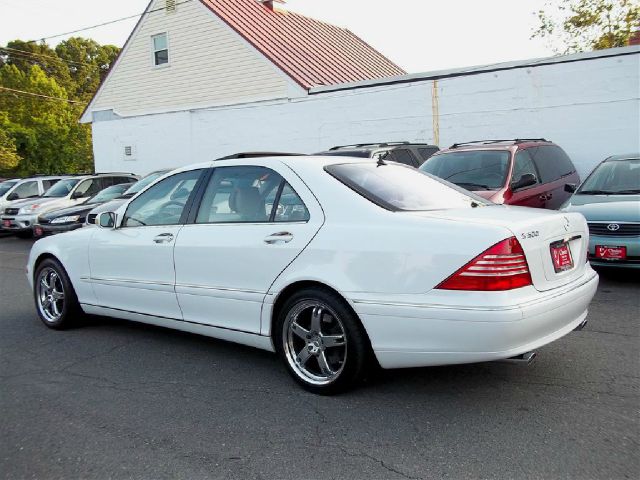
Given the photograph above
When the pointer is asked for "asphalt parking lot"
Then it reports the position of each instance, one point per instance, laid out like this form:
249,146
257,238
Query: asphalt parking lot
115,399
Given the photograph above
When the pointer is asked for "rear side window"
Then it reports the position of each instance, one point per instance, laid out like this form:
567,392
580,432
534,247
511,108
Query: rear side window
552,162
426,153
27,190
400,188
404,156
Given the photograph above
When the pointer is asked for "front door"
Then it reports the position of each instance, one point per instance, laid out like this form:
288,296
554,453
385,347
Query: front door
253,221
132,265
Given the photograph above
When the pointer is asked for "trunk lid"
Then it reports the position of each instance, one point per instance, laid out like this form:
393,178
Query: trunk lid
537,231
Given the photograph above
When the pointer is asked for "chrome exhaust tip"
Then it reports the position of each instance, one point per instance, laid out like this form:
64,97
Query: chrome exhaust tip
523,359
581,326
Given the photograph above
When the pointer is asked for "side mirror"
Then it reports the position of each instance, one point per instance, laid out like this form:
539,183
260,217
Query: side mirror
77,195
107,220
570,187
526,180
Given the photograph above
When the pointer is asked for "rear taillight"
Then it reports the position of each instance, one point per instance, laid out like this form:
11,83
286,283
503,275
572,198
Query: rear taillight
502,267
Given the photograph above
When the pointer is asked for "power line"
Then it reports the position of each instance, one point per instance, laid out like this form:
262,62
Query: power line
34,54
12,90
106,23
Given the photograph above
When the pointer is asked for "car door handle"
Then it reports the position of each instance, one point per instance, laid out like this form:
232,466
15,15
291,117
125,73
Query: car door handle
543,197
164,238
280,237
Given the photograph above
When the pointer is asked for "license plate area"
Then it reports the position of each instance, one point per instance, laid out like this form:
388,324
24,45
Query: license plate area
561,256
6,223
607,252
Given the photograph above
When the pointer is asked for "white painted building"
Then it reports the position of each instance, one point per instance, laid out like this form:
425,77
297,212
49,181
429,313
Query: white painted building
200,79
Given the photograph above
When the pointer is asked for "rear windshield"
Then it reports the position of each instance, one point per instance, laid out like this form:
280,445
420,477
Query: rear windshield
477,170
398,187
62,188
6,186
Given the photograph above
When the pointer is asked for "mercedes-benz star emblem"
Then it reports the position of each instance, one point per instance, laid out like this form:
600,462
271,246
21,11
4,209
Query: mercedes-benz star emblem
613,227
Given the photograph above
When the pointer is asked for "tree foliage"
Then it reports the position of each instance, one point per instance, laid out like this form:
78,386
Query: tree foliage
582,25
40,133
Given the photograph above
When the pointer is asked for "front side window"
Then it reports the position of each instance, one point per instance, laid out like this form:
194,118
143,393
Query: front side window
621,177
473,170
396,187
27,190
160,46
523,165
87,188
244,194
164,203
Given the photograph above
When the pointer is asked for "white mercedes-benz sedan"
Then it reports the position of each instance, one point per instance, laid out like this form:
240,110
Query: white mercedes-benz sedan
335,263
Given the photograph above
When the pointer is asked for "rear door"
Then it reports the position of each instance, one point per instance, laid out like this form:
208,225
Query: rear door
252,222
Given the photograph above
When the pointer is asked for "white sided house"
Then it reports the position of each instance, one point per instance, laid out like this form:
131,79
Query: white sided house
201,79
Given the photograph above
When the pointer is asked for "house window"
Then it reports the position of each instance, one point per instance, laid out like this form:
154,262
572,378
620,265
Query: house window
160,49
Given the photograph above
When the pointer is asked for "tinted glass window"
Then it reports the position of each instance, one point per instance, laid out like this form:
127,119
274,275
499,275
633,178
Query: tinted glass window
426,153
397,187
6,186
27,190
552,162
290,207
616,176
140,185
239,195
473,170
164,203
47,184
62,188
403,156
88,188
523,165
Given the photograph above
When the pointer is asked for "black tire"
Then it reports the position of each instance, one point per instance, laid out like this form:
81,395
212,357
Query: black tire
357,350
68,307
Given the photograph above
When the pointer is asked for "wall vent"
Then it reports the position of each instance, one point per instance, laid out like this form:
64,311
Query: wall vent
128,152
170,6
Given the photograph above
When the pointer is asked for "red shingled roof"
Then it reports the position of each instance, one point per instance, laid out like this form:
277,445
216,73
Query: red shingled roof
311,52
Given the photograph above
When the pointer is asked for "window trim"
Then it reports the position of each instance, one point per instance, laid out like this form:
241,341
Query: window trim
186,211
154,51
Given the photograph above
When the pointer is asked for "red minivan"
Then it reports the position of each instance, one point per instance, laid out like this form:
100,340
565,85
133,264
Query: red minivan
527,172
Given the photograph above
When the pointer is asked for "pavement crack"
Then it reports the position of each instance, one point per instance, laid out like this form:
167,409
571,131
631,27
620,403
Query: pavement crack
380,462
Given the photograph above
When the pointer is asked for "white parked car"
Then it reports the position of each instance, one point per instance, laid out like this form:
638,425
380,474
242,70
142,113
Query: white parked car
334,263
15,190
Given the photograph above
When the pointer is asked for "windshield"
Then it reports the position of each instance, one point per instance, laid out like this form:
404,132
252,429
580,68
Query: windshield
107,194
136,187
6,186
615,177
62,188
473,170
398,187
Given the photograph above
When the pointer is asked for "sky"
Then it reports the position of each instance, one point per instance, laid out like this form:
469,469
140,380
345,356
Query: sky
418,35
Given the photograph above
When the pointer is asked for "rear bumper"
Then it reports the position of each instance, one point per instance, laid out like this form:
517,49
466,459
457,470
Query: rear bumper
426,335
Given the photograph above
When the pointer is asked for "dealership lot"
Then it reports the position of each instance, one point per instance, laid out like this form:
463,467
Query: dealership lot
117,399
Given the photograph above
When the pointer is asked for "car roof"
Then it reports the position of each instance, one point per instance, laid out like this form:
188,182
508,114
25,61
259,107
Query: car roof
497,144
627,156
376,145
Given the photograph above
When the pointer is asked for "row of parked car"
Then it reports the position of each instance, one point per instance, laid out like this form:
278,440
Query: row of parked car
525,172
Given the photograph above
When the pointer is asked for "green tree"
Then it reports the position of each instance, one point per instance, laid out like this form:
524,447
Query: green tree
579,25
43,92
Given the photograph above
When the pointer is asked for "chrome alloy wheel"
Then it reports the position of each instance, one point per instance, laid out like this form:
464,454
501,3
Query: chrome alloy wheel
315,342
50,295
